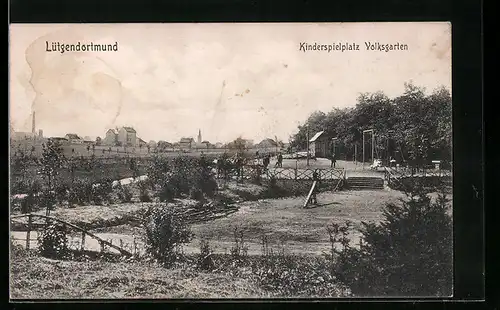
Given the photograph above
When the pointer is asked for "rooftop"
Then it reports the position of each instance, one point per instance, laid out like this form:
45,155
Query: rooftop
129,129
316,136
186,140
72,136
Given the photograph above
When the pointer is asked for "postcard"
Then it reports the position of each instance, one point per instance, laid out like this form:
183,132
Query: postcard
230,160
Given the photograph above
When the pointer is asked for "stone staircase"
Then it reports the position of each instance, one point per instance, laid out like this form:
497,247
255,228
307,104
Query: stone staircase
363,183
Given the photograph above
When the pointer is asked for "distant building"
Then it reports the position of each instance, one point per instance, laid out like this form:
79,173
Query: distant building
127,136
267,143
111,138
199,136
319,145
73,138
61,140
186,143
139,142
98,141
162,145
22,136
206,144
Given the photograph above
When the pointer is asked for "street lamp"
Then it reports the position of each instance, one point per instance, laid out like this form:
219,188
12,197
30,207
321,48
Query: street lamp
307,135
373,140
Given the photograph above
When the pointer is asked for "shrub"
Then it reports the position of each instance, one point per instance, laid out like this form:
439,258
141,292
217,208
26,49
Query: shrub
167,192
16,250
293,275
165,232
239,251
205,259
178,177
47,200
61,193
19,187
53,241
80,192
123,193
408,254
100,192
143,192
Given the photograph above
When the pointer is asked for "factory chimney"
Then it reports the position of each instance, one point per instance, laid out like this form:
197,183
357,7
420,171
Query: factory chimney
33,127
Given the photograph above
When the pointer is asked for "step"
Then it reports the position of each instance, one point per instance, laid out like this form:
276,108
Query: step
365,182
365,187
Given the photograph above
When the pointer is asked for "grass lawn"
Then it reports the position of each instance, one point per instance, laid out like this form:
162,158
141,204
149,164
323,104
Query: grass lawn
34,277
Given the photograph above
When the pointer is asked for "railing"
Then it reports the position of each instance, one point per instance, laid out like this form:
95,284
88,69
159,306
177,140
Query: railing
84,232
392,175
305,173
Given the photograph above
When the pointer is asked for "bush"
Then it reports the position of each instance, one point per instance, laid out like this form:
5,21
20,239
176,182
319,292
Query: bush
61,193
47,200
294,276
181,176
408,254
19,187
100,192
239,251
165,232
143,192
167,192
80,192
205,260
53,241
123,193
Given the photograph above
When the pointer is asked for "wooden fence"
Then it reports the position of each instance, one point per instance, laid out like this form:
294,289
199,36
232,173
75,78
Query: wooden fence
103,243
396,175
305,173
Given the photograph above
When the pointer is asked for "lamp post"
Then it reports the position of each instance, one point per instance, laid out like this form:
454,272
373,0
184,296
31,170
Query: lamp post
373,141
307,156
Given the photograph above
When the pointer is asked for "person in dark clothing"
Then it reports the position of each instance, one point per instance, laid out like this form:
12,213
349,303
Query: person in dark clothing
266,161
333,160
279,160
315,177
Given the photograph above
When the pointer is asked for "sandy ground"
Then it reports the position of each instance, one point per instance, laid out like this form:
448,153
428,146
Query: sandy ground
283,221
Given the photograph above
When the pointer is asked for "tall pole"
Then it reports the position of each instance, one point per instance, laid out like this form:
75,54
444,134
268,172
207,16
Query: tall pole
363,159
355,154
307,145
373,147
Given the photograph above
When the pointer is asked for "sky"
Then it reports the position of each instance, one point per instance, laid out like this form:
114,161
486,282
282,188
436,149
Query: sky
228,80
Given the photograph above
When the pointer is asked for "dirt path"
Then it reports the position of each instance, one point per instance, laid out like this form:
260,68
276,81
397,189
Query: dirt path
220,247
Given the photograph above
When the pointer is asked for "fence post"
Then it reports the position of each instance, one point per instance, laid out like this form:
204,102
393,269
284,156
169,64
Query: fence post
82,247
28,233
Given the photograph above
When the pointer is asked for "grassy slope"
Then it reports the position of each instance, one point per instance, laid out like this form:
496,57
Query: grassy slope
34,277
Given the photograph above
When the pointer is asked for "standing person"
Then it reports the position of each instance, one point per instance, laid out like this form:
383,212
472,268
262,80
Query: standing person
280,160
314,199
266,161
333,160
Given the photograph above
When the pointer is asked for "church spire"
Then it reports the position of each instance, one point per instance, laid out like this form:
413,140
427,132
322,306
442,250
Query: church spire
199,136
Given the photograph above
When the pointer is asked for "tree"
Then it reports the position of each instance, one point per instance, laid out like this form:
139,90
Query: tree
52,160
20,163
408,254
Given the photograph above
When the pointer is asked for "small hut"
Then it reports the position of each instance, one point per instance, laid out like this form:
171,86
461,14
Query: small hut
319,145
